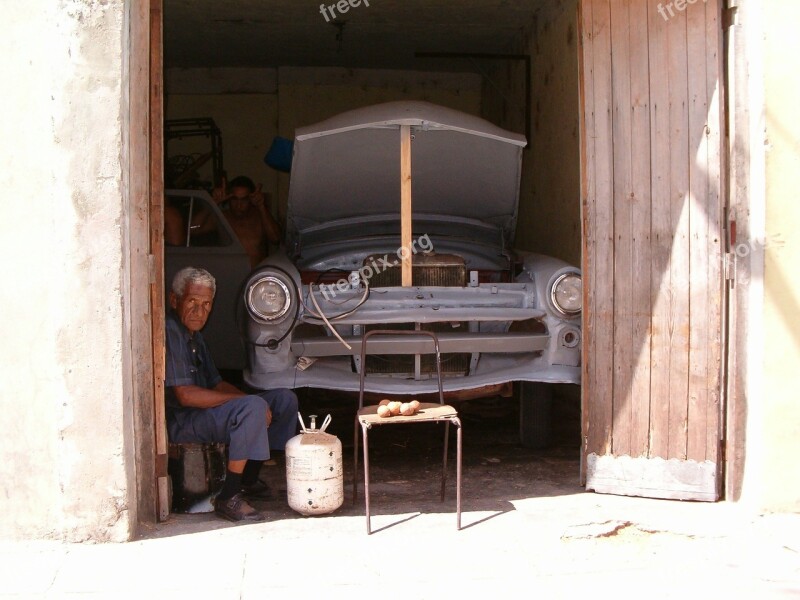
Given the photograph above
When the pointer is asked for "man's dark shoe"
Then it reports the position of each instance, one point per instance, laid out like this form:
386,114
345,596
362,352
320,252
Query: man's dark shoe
257,491
236,508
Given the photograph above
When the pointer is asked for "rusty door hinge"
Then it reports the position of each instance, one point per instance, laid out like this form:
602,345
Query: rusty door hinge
730,266
729,15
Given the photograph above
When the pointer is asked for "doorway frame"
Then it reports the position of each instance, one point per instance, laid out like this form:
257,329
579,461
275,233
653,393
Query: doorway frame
145,183
146,291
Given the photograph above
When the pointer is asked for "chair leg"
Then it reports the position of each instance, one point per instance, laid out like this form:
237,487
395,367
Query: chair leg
364,428
457,423
444,460
355,460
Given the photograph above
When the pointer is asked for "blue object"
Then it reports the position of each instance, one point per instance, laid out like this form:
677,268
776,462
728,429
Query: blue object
279,155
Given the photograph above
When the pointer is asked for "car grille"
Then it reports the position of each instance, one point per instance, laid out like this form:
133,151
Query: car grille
453,363
432,269
447,270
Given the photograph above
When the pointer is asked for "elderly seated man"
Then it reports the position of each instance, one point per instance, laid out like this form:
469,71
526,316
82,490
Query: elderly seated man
202,408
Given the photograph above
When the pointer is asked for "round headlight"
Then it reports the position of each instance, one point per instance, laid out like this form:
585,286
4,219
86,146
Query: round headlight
268,298
567,294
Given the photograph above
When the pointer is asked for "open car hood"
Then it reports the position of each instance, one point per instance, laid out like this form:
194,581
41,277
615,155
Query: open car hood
348,167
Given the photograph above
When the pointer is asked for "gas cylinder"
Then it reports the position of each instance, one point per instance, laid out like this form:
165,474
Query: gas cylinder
314,480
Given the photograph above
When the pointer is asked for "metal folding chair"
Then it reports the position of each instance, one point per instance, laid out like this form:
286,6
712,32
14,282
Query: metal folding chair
428,412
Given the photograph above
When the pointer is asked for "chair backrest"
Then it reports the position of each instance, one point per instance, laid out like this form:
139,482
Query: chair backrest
419,350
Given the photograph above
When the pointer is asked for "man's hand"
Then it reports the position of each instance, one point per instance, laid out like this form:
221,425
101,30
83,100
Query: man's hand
219,194
257,198
229,388
269,416
195,396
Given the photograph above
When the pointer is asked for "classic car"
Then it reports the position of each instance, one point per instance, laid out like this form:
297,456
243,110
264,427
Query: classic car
501,316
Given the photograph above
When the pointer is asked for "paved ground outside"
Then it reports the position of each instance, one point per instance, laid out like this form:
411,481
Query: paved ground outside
528,530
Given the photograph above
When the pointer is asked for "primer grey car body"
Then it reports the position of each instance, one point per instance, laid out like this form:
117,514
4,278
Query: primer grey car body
496,314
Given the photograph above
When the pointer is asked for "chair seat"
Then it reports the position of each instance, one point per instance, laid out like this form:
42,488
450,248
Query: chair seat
428,411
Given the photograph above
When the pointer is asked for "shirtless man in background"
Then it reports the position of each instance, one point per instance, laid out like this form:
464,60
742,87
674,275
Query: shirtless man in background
249,216
174,230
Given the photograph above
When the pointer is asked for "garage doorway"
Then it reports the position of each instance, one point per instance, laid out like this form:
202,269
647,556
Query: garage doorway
583,109
475,59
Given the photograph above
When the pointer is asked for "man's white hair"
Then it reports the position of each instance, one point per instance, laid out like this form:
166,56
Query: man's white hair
192,275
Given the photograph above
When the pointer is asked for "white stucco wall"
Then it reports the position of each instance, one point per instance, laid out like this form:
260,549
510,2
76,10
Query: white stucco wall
774,429
63,473
763,424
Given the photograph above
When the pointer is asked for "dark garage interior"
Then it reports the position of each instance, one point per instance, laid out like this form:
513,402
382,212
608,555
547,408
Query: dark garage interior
259,70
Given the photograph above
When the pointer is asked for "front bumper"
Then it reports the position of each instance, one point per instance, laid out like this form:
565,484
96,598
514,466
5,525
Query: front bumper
315,347
337,374
484,313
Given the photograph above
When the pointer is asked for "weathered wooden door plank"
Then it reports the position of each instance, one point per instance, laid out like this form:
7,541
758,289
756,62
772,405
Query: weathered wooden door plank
673,479
716,194
661,234
623,234
601,255
641,211
138,292
157,249
698,240
588,135
677,279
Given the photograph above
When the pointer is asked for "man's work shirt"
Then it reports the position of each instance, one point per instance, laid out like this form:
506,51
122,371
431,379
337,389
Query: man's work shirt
189,361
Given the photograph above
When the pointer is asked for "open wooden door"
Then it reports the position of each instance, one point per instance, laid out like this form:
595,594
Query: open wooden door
157,248
146,218
652,194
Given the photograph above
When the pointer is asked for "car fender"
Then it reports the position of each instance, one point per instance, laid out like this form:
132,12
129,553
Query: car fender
269,344
565,331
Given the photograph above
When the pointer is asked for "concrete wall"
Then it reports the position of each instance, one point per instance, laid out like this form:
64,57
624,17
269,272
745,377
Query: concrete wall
550,216
549,207
252,106
243,104
65,471
503,94
248,123
774,431
549,210
504,102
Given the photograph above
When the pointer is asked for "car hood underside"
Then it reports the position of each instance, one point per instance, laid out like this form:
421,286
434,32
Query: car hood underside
349,167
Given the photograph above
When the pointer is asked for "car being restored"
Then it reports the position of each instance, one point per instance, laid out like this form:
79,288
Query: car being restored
501,316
